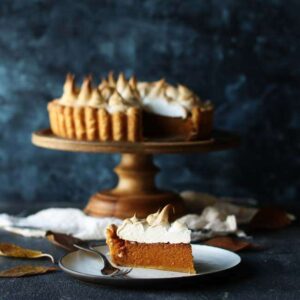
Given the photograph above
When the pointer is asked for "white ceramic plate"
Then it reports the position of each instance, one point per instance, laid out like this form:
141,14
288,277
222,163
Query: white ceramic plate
208,260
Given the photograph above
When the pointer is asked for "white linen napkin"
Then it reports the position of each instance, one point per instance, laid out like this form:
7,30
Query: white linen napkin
211,217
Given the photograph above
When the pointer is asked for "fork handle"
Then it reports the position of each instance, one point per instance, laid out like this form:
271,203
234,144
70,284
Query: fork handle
93,250
87,249
105,260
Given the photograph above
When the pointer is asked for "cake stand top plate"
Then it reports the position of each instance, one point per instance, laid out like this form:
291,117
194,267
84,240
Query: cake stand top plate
220,140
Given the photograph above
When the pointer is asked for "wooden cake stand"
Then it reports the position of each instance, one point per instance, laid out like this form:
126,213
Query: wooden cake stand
136,191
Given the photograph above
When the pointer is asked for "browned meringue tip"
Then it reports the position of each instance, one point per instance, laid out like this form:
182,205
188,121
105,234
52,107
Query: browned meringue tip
111,79
122,77
158,87
86,89
96,93
164,215
104,83
69,85
70,77
133,82
167,210
121,82
160,82
87,82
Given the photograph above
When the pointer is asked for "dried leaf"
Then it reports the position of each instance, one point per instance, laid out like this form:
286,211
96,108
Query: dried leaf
22,271
270,218
231,244
63,240
11,250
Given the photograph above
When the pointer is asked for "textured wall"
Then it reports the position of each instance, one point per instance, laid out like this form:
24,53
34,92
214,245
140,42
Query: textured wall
244,55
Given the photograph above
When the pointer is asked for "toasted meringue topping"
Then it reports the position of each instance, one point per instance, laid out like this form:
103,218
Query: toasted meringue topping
171,91
186,97
117,104
103,84
160,218
96,99
157,88
69,92
143,88
106,92
154,229
111,79
157,97
129,95
184,92
85,91
133,82
121,83
164,99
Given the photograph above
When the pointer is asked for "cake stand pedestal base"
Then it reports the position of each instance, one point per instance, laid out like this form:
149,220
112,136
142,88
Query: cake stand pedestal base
135,191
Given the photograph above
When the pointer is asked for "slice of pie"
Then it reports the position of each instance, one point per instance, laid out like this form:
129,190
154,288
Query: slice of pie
152,243
128,110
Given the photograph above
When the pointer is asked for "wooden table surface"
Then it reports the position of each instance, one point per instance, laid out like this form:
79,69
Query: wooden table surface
273,273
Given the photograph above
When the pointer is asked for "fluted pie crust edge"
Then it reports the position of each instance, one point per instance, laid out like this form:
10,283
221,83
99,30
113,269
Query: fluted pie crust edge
97,124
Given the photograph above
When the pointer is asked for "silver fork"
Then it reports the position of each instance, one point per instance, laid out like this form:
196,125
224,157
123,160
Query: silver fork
108,269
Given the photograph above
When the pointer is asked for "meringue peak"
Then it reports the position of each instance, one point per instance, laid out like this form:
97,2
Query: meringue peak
128,94
161,217
121,83
157,88
85,91
111,79
104,83
134,219
133,82
69,86
97,99
69,90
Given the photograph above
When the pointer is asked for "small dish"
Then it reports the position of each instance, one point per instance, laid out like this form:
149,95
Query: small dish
208,260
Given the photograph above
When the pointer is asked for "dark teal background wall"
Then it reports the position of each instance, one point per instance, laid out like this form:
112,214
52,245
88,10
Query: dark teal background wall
244,55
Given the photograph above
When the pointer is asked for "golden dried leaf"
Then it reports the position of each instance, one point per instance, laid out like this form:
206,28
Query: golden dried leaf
230,243
63,240
21,271
12,250
270,218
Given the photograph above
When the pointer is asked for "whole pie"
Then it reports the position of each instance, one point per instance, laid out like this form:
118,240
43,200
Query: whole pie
153,243
127,110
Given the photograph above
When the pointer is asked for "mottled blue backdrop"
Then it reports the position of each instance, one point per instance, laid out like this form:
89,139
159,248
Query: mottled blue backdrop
244,55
